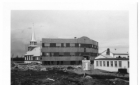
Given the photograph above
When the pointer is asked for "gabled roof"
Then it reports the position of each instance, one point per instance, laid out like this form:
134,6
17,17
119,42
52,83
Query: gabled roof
104,56
35,52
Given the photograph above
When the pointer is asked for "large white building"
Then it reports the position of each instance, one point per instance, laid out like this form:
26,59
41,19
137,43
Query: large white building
33,55
109,62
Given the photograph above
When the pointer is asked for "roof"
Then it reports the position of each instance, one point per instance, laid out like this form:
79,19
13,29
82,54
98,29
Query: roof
120,53
112,59
35,52
70,40
103,56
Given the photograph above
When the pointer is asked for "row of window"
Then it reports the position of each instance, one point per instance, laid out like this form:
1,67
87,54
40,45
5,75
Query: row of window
69,45
30,48
109,63
67,54
33,43
31,58
63,62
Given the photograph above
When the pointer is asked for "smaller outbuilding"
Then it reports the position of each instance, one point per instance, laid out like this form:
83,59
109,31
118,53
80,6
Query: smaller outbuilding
110,63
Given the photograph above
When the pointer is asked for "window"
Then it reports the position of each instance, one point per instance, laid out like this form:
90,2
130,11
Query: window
92,62
58,45
66,54
72,54
100,63
115,63
47,54
76,45
67,44
61,62
42,44
79,45
72,45
56,54
62,44
90,45
61,54
107,63
85,50
51,54
91,54
104,63
95,54
72,62
111,63
128,64
96,63
43,53
78,54
95,46
52,44
46,44
34,43
83,53
120,63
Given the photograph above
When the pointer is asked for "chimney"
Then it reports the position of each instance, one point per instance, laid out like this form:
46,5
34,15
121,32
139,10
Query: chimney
108,51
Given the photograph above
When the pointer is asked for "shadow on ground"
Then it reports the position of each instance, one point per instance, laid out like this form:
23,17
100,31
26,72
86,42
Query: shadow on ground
61,77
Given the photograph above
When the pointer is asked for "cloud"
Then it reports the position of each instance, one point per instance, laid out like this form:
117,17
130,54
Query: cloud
109,28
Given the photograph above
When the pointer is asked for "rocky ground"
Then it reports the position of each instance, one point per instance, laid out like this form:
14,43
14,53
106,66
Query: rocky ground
57,76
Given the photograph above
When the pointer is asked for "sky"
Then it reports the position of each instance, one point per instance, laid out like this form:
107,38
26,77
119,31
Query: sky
110,28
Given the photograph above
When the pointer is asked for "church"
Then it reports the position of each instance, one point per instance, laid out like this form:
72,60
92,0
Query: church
33,55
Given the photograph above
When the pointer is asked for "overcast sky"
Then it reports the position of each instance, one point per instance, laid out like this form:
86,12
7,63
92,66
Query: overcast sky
109,28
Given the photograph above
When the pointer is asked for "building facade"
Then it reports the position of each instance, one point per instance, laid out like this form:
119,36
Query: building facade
109,62
68,51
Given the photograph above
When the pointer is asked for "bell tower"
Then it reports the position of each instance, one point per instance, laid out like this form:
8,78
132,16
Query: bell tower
33,42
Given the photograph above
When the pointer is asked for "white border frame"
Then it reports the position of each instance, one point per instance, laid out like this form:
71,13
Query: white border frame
77,5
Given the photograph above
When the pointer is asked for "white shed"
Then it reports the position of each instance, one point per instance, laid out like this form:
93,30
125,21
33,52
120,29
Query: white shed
111,64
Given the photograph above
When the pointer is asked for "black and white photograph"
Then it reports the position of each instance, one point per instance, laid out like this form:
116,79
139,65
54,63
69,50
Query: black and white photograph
70,46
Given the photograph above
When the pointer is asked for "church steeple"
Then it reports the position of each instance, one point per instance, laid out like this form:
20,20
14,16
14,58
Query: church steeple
33,35
33,42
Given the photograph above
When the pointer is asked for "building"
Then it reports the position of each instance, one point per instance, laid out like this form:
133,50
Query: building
124,55
111,63
33,55
68,51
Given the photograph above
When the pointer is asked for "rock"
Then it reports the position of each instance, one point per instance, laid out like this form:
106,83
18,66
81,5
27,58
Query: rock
50,79
88,77
43,69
